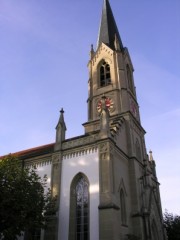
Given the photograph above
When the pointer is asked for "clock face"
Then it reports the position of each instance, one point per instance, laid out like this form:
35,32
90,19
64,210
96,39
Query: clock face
109,104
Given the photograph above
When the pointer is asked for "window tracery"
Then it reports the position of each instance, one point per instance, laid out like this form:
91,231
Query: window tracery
105,74
79,212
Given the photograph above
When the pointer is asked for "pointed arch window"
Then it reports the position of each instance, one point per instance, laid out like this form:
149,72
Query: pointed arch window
105,74
129,77
123,207
79,209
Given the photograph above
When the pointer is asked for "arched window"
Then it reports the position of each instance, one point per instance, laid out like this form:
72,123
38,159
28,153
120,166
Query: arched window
138,150
79,209
123,207
105,75
129,77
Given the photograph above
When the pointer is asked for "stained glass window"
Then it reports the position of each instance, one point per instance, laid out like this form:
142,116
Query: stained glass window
82,209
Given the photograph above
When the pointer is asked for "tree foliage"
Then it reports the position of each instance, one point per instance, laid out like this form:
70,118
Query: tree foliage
172,225
22,198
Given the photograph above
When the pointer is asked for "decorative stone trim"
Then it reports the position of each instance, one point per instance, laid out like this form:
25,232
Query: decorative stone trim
103,48
80,152
80,141
38,163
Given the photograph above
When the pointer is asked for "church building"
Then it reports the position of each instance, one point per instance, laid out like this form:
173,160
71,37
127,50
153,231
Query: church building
105,181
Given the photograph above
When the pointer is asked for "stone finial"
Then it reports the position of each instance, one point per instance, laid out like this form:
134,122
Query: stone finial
91,52
150,156
60,130
104,103
104,118
116,43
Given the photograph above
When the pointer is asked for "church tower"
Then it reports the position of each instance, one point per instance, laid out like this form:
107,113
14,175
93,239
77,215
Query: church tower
130,203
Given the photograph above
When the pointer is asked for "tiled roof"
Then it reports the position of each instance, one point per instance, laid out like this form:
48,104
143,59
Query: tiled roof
32,152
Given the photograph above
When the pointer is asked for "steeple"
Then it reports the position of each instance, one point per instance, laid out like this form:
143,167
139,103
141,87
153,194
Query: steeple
108,30
110,73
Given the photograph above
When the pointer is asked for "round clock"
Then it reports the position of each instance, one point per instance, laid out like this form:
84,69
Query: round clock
109,104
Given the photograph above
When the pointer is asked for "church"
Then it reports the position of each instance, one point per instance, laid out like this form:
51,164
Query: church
105,181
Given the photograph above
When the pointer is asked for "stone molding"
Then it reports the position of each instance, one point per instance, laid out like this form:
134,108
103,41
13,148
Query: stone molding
80,152
80,141
39,162
102,48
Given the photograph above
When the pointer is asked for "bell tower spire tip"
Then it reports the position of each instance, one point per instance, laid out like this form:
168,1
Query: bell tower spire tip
108,30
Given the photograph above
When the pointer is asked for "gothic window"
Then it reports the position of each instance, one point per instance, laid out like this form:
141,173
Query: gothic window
123,207
79,209
138,150
105,75
129,77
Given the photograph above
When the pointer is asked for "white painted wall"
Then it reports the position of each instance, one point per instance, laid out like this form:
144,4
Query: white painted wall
45,170
89,165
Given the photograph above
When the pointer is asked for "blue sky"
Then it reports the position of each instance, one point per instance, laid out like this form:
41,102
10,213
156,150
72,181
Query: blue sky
44,50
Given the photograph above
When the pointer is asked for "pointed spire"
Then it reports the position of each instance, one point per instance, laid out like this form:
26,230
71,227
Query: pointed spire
108,28
60,131
61,120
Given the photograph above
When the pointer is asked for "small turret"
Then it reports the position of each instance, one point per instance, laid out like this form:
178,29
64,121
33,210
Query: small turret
150,156
91,52
153,164
60,131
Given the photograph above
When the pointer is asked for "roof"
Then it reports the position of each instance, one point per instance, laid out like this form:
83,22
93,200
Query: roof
32,152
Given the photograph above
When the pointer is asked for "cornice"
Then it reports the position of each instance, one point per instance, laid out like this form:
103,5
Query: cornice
80,152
